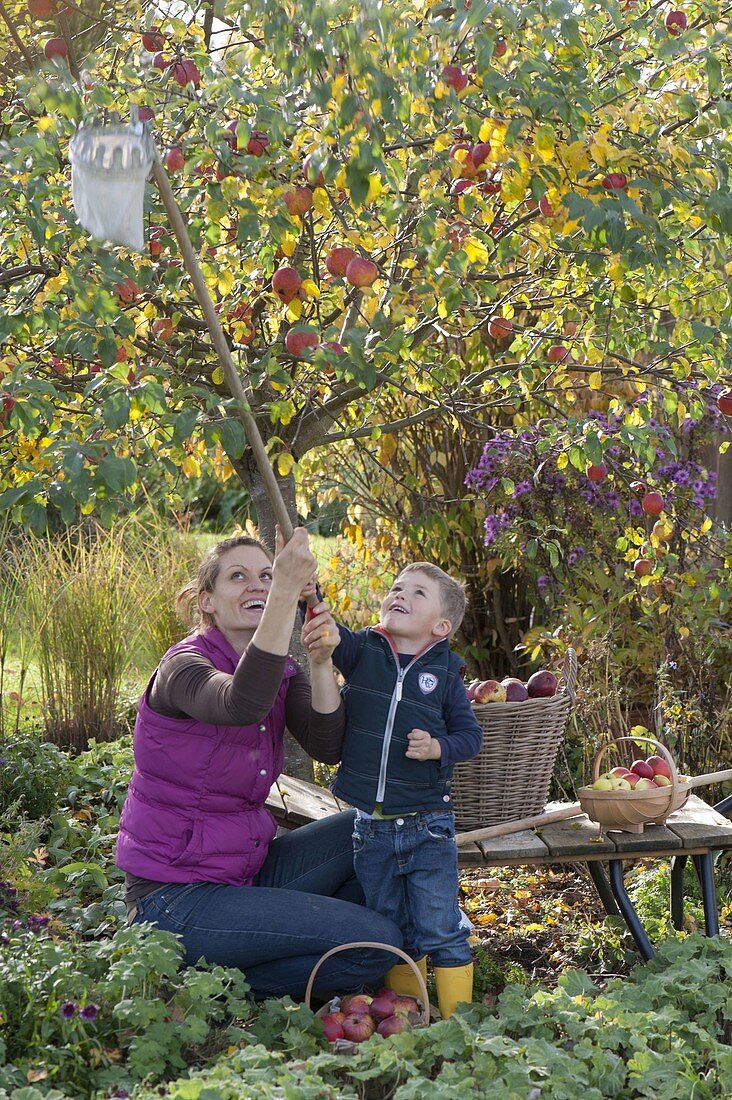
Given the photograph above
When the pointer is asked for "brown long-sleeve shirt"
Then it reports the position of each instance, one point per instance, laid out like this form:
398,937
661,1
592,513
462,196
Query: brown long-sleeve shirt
187,685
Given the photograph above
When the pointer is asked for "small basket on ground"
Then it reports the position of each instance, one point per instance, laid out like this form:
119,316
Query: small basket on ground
631,811
509,778
346,1046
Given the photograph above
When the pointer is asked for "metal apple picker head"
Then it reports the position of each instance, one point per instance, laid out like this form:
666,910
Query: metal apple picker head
110,162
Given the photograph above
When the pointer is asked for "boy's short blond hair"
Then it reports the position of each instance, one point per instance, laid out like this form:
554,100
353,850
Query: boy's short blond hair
452,593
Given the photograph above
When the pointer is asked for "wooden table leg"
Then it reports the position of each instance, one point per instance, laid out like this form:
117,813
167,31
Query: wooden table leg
704,865
625,905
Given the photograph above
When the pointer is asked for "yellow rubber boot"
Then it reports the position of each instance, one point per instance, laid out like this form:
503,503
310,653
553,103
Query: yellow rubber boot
454,986
402,978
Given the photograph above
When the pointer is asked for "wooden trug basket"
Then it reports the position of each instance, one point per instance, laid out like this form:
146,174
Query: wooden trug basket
631,811
345,1046
509,778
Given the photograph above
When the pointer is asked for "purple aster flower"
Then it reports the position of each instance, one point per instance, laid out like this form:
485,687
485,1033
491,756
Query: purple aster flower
37,922
698,486
89,1012
542,582
522,488
68,1009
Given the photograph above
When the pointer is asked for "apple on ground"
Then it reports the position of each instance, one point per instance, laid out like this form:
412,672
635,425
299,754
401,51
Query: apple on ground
542,684
659,766
516,690
358,1026
489,691
642,769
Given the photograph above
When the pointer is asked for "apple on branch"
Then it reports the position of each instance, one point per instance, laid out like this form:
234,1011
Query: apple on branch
597,472
652,504
724,402
286,283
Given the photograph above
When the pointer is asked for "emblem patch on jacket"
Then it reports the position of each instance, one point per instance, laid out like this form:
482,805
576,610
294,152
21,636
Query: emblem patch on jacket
427,682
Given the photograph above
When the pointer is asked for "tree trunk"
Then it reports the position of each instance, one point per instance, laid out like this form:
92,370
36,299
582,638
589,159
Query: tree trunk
723,509
297,761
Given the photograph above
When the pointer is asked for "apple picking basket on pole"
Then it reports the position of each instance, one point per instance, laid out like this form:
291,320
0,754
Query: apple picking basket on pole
509,778
110,163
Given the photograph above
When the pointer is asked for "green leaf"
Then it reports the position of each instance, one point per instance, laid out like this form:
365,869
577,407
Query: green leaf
118,473
116,409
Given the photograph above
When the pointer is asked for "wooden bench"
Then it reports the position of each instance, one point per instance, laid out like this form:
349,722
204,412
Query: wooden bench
697,831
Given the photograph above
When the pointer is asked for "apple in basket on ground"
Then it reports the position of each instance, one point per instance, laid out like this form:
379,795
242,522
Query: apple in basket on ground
360,1016
542,685
642,775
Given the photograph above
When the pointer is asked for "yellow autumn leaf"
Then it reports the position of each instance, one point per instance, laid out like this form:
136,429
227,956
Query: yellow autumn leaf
217,376
294,310
595,380
311,289
190,466
225,283
288,244
387,449
600,147
285,462
562,460
475,250
545,142
442,310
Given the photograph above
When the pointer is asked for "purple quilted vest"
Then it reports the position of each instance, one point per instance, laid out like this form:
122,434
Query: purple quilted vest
195,804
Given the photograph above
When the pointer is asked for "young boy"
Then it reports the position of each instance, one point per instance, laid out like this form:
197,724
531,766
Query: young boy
408,721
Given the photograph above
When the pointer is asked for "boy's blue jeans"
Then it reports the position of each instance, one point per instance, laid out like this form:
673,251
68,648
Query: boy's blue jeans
304,901
409,873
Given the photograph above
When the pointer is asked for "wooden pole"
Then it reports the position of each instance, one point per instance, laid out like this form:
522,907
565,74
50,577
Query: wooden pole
233,381
572,809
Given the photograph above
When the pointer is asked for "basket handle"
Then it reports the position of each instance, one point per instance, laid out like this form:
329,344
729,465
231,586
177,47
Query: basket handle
674,785
569,674
381,947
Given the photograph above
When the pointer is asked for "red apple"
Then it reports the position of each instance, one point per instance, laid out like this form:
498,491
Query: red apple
500,46
652,504
312,173
361,272
480,153
56,47
463,165
393,1025
299,340
286,283
615,181
8,403
145,114
542,685
546,208
659,766
163,329
516,690
620,773
257,143
406,1006
127,290
298,201
381,1007
41,9
455,78
500,328
489,691
676,22
557,353
333,1026
338,260
460,186
643,567
358,1026
642,769
645,784
356,1002
386,992
174,159
596,473
638,486
492,183
160,62
471,689
152,40
724,402
185,72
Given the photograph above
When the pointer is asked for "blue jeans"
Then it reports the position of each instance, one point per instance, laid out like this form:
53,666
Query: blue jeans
304,901
409,873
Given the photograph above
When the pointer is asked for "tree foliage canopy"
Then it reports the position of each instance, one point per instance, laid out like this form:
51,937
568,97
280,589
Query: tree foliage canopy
524,177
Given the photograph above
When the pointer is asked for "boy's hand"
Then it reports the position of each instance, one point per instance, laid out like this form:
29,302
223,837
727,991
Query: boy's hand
422,746
320,634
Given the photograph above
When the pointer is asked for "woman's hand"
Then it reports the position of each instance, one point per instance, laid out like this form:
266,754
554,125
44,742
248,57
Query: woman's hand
320,634
294,562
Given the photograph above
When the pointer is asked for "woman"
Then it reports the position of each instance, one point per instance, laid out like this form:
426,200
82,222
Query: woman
196,840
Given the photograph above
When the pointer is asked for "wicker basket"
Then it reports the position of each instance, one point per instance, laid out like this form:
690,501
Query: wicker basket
630,811
345,1046
509,778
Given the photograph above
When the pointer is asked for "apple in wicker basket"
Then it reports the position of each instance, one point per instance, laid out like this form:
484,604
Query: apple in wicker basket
542,685
516,690
489,691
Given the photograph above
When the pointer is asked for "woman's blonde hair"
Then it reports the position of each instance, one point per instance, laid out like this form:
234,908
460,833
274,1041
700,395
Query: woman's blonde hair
187,602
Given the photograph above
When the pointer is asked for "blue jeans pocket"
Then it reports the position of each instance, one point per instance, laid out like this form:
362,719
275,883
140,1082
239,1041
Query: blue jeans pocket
440,826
